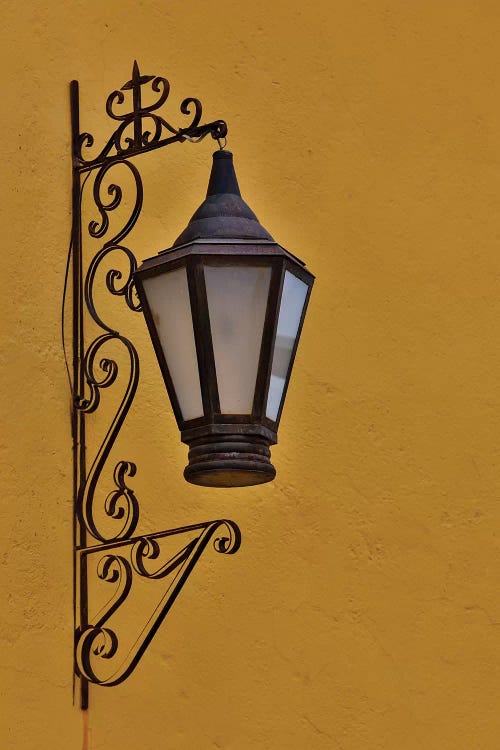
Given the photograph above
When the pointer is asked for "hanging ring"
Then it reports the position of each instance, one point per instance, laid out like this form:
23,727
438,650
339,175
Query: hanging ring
222,145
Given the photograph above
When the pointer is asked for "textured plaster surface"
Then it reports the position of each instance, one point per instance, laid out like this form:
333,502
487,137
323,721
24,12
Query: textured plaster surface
362,612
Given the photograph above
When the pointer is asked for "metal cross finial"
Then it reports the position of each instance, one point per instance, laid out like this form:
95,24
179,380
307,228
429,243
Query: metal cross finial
137,80
135,84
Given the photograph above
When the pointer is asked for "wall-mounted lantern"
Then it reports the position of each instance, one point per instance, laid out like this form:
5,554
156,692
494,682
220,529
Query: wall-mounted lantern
224,307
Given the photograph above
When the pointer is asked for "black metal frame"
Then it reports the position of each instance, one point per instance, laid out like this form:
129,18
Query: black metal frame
122,556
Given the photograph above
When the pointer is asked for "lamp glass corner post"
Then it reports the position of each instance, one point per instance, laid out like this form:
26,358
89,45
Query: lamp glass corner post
224,308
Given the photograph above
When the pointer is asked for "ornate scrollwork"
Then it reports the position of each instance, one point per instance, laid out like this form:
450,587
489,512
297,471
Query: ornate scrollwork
101,372
96,382
126,289
113,569
131,136
95,639
97,642
147,548
121,504
99,229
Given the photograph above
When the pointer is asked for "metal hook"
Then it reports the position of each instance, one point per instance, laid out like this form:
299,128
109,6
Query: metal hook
222,146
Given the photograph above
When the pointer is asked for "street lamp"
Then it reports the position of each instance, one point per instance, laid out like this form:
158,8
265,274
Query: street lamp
224,307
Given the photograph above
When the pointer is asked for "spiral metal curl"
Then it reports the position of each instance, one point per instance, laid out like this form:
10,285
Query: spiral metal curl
99,229
121,504
149,549
95,640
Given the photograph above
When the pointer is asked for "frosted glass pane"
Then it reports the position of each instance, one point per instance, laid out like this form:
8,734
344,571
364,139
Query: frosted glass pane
168,297
237,301
292,303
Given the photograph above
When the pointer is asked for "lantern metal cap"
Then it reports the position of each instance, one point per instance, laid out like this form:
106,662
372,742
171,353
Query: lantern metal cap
223,214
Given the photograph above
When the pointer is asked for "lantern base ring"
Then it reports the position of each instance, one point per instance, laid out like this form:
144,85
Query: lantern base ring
229,461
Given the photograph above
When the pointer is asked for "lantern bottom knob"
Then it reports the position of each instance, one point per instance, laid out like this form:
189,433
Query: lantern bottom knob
229,461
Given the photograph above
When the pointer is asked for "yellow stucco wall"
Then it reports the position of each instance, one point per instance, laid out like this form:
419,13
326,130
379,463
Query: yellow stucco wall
363,609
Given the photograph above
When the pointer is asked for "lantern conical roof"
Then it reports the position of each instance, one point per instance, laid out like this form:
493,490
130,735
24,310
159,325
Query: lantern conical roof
223,214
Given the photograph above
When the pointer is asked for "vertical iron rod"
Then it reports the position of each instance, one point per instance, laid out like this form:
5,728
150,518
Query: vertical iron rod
78,417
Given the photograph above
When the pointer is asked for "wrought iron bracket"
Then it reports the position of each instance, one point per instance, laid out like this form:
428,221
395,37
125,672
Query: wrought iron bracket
111,552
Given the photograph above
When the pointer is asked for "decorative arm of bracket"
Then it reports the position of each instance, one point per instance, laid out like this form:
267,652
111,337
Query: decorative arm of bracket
97,644
131,138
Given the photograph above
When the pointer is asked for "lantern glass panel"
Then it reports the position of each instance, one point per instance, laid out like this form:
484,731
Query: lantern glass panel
168,298
292,304
237,301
